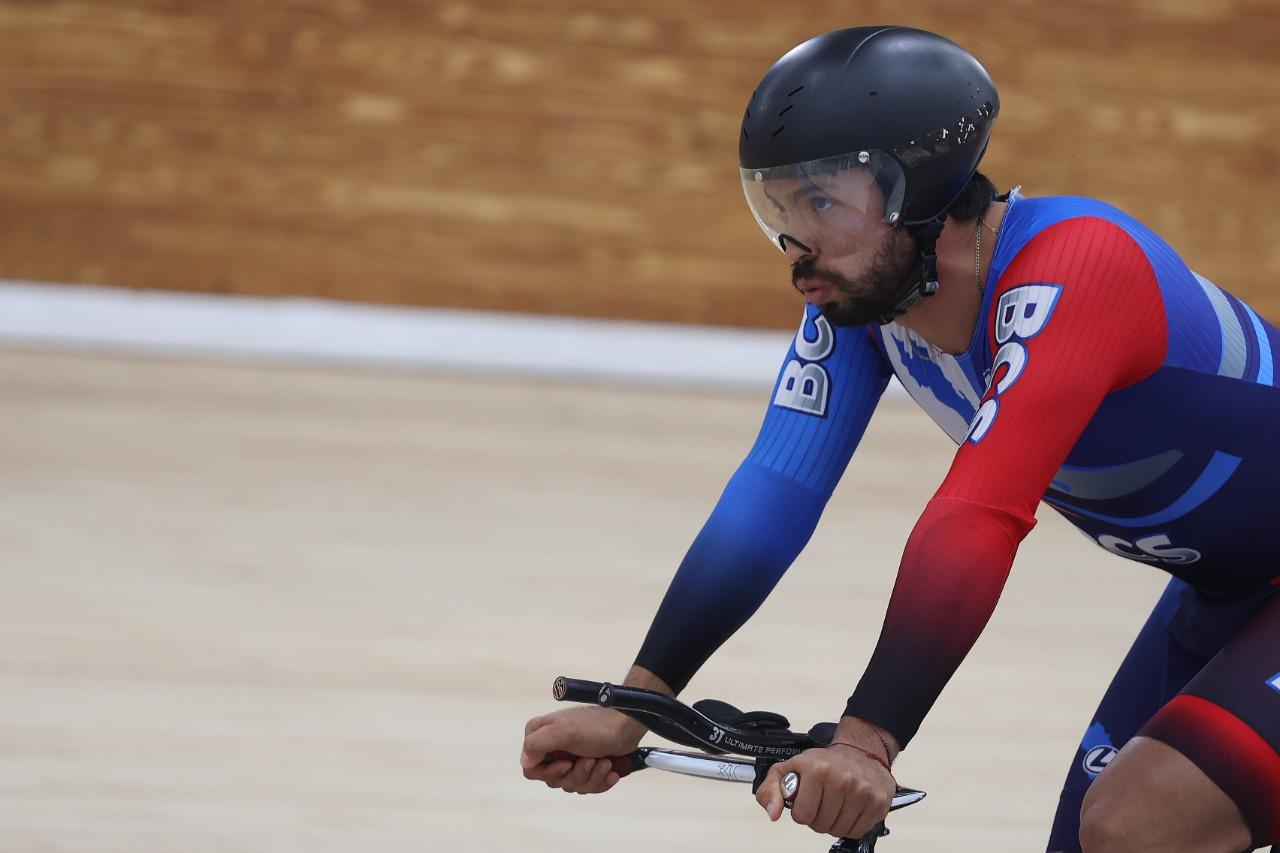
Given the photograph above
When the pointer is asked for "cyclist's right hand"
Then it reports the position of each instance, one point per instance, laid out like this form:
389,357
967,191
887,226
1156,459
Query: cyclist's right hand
591,733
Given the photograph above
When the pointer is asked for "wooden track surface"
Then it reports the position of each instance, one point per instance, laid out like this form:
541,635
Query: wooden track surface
281,610
557,156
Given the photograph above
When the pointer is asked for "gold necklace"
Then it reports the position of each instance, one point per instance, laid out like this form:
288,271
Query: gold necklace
977,254
977,257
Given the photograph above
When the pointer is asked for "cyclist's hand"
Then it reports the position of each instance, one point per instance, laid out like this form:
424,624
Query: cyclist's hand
592,733
842,792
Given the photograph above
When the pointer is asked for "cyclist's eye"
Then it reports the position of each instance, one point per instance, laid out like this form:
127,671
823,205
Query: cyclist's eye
820,203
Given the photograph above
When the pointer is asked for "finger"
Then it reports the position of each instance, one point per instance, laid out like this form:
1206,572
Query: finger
529,757
536,723
832,803
873,811
804,808
596,781
552,773
549,770
539,742
864,823
769,794
610,781
846,821
577,777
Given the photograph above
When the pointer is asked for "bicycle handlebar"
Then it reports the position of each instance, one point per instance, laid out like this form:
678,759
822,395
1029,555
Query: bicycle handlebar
764,738
647,706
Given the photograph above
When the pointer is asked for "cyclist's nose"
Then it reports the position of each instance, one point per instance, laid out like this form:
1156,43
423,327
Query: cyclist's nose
794,249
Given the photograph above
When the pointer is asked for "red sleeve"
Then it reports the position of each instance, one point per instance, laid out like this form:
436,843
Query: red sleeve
1076,315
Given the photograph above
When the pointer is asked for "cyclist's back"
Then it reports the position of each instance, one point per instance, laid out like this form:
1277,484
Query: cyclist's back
1172,469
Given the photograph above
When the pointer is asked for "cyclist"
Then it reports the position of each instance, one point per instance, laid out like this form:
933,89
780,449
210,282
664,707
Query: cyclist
1076,360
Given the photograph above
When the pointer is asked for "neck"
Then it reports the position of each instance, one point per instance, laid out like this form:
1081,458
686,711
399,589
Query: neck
947,319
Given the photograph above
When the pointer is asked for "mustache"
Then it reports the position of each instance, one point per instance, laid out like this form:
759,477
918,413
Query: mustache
808,268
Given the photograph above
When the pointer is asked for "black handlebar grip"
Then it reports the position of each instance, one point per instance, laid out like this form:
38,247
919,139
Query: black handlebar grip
623,765
567,689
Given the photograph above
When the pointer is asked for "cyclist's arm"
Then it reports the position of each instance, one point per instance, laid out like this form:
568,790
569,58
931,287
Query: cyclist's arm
821,404
1086,297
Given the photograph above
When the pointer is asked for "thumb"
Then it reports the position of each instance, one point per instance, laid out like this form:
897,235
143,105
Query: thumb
544,740
769,794
528,760
537,744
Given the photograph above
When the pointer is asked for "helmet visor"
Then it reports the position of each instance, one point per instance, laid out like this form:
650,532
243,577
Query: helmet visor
836,205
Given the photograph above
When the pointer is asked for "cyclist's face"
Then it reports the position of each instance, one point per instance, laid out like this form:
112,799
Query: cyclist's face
830,221
837,214
855,289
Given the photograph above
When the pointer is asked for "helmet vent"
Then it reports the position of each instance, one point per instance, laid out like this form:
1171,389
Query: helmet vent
781,128
788,109
793,91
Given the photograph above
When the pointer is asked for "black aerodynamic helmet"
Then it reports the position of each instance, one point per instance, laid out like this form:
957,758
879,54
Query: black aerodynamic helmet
890,122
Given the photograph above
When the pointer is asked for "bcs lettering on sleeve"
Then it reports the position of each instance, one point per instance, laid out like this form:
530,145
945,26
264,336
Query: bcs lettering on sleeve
1156,548
805,385
1021,314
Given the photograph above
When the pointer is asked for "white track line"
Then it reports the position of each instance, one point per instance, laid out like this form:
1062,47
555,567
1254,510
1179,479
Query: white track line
314,330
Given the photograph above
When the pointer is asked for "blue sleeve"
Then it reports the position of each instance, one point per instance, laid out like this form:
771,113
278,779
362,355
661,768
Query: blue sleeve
824,396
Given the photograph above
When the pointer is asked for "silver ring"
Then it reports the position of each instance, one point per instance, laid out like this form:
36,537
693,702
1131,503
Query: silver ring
789,785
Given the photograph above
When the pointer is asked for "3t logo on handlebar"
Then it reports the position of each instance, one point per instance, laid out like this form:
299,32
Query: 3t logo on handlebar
1022,313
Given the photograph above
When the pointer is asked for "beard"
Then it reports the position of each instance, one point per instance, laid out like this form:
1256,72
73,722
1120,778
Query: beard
895,267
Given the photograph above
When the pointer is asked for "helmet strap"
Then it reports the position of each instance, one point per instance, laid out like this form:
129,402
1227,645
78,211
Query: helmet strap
926,283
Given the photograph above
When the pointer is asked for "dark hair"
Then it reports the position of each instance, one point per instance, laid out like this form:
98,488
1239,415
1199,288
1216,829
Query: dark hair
973,199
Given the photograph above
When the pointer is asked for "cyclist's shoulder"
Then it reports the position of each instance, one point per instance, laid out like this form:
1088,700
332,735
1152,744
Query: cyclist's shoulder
1083,225
1084,268
1080,242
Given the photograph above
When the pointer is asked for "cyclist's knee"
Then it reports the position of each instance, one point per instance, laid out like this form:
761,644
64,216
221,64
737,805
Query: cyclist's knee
1121,814
1116,818
1104,826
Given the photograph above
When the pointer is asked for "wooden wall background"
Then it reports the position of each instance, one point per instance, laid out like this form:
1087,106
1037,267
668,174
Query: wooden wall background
569,157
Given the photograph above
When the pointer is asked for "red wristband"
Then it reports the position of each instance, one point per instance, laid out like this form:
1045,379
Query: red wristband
869,754
888,755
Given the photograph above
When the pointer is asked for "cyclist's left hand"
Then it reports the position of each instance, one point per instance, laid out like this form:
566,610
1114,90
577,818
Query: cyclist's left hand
842,792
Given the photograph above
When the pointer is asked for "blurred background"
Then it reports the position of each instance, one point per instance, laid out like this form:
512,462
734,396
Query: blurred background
259,599
564,157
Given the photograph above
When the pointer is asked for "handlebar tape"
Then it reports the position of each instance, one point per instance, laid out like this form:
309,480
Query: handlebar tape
623,765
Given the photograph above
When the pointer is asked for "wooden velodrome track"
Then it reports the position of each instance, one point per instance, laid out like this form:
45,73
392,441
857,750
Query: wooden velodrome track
269,609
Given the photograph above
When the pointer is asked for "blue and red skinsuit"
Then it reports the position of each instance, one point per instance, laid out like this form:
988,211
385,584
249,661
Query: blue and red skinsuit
1108,380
